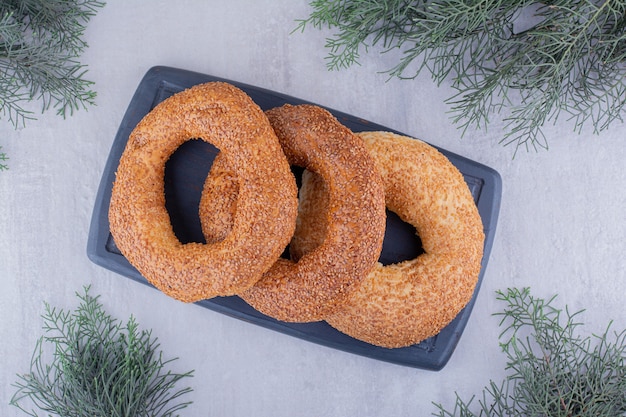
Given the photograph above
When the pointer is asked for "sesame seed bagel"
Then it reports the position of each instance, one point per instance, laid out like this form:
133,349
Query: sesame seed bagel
402,304
318,283
226,117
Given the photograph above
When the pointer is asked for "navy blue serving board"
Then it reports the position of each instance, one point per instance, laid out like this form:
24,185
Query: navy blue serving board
184,178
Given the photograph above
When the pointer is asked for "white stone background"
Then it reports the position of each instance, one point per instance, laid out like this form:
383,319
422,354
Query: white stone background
561,228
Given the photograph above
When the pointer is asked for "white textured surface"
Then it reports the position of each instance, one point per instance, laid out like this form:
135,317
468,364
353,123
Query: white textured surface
562,225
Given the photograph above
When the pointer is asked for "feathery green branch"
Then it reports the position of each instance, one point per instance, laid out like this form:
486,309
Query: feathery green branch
40,45
524,61
553,370
99,367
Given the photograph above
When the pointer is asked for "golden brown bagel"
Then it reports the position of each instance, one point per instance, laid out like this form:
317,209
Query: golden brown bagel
319,282
225,116
402,304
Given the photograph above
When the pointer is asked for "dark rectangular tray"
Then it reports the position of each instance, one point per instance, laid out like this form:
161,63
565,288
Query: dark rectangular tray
185,174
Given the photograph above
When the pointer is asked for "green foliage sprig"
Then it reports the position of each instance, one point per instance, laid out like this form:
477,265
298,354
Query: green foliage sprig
41,42
525,61
99,367
553,371
3,158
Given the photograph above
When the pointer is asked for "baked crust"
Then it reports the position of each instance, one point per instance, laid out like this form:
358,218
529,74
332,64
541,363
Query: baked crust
317,283
402,304
225,116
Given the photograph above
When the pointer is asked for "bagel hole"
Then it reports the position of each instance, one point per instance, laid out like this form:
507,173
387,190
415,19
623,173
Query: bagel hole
185,173
297,173
401,242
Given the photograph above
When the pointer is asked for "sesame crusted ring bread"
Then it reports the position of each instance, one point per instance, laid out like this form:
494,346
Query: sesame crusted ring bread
404,303
225,116
320,281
